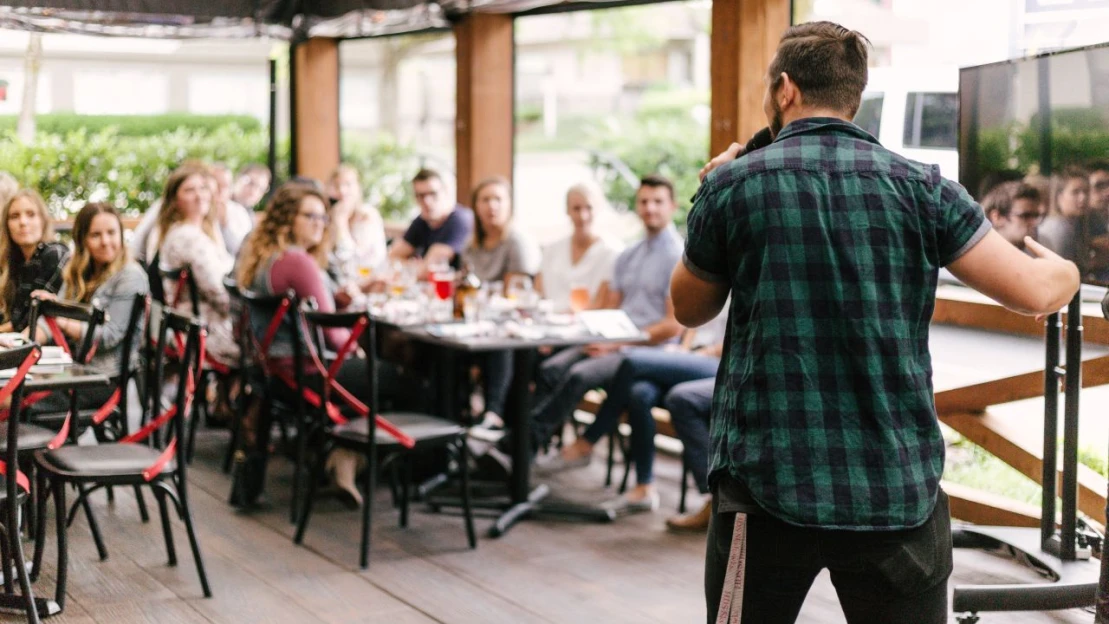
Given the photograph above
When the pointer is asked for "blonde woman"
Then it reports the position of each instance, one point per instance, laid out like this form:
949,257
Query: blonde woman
576,271
357,229
98,271
188,236
30,257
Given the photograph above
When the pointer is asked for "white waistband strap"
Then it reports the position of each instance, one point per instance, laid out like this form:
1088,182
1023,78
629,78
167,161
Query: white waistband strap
731,598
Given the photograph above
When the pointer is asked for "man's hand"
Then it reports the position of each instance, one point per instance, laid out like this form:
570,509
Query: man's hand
734,151
601,350
44,295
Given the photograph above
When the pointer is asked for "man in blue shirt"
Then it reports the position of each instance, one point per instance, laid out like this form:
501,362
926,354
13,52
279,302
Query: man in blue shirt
641,288
441,230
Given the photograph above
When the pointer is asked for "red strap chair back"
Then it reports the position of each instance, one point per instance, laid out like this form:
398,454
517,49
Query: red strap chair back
19,361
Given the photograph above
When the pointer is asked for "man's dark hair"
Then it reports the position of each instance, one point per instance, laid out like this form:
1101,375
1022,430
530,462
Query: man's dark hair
425,174
1002,197
826,61
656,180
995,178
1098,165
252,168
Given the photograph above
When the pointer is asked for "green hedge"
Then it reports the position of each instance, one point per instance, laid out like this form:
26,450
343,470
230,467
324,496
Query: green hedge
130,171
132,125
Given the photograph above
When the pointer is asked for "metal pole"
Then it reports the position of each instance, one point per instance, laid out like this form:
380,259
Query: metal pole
1054,328
1069,492
271,157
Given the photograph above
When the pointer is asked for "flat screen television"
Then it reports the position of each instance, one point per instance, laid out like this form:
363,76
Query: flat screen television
1034,145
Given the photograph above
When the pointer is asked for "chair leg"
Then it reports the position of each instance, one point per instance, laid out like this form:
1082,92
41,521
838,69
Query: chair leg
467,512
63,543
310,499
40,524
367,506
187,516
298,468
627,469
685,486
94,526
20,565
5,551
405,486
611,457
167,531
140,501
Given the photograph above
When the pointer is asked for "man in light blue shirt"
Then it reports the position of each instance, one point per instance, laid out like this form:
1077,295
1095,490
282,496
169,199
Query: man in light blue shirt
641,288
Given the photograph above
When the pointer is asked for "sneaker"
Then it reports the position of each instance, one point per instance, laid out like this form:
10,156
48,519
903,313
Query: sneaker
623,505
490,429
556,463
696,522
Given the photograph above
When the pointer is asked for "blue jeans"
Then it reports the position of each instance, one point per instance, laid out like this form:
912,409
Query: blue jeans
644,377
690,405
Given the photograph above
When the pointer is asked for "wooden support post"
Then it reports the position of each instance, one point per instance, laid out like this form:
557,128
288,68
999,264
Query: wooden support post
745,35
315,118
485,101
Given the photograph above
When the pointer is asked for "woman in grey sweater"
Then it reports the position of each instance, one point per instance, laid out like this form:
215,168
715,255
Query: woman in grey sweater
98,272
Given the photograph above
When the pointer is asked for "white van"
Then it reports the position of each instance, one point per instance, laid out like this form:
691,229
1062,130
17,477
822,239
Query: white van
914,111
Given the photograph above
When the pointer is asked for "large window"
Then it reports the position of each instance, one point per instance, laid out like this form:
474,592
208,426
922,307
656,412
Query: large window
932,120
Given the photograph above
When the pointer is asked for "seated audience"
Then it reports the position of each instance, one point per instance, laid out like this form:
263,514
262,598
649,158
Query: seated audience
497,252
641,288
690,406
251,185
140,237
234,220
1015,210
1062,231
357,230
644,377
30,257
187,236
441,231
580,264
100,272
288,251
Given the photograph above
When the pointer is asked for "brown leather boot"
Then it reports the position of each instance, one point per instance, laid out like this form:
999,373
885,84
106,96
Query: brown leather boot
696,522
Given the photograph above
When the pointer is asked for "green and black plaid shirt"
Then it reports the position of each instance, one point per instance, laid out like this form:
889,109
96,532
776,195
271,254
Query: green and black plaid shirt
831,245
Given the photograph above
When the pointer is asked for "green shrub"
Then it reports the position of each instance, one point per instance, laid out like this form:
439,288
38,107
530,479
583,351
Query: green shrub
674,146
130,171
132,125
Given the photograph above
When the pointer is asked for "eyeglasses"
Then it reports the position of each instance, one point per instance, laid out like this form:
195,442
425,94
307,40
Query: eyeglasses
1103,185
1028,217
316,217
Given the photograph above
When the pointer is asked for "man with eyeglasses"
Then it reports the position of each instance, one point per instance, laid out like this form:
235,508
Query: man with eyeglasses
442,228
1015,209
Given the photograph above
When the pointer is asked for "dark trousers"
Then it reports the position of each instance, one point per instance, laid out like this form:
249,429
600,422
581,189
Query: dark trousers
879,576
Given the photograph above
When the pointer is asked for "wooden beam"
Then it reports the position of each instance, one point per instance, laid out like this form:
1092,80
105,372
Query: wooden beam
966,308
316,107
977,397
485,100
984,508
1021,446
745,36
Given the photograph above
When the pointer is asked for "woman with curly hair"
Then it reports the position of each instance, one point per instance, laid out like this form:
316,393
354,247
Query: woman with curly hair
188,236
31,258
288,250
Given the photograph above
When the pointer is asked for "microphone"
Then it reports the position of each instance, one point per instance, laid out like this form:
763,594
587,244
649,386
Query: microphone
761,139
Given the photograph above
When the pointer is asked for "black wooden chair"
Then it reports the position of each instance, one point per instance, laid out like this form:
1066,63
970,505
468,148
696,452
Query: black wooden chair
399,435
132,461
16,485
185,284
242,333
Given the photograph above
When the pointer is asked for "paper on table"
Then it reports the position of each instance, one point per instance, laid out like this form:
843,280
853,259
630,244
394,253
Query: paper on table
610,324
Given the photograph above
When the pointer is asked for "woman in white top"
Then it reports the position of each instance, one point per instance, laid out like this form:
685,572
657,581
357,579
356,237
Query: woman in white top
582,260
358,231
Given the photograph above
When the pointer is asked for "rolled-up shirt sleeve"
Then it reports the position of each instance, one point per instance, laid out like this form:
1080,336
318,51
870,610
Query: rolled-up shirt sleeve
706,241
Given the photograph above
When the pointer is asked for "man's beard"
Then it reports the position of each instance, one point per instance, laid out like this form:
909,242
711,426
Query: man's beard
776,121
